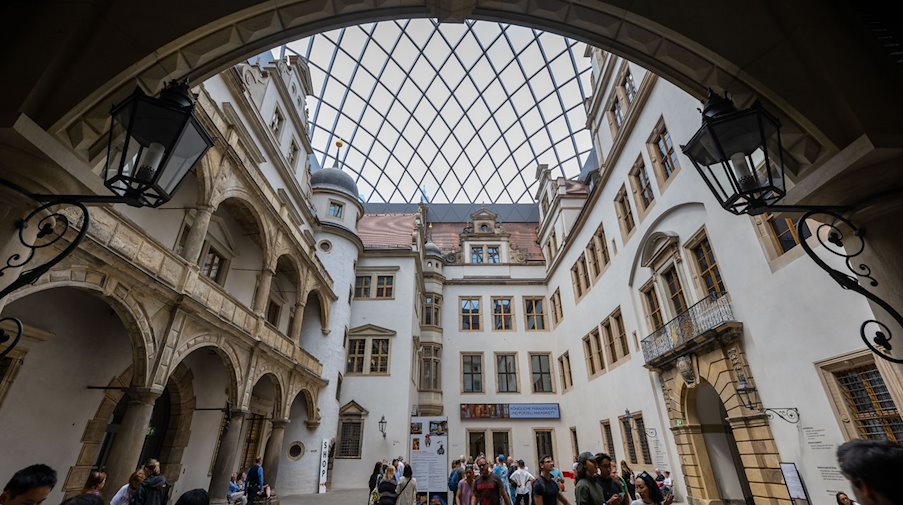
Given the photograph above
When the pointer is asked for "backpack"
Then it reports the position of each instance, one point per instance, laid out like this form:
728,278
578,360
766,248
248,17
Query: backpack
453,479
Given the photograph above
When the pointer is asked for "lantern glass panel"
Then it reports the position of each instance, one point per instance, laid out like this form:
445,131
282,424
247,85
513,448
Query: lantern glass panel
190,147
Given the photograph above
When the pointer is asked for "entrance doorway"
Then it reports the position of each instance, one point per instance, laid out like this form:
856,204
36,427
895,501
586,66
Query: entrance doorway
727,467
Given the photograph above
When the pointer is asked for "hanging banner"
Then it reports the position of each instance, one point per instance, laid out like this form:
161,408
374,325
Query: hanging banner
510,411
428,447
324,464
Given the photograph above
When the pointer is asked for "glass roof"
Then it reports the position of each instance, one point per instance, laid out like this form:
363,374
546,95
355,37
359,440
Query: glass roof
447,113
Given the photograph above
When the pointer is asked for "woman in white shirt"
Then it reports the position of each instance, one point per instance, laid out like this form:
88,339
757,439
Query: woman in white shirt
125,493
407,487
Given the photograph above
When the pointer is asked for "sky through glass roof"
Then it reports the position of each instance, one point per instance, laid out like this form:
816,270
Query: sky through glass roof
451,113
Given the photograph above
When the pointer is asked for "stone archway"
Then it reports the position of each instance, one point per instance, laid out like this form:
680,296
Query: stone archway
719,363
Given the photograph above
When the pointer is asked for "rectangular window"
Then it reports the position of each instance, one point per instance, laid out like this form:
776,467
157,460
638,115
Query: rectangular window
214,265
642,184
502,315
618,326
350,439
575,280
506,373
784,232
608,440
553,245
500,442
293,151
624,212
476,254
362,286
476,442
379,355
564,368
470,314
666,152
472,368
629,444
276,122
492,254
336,209
357,348
592,259
544,443
574,443
602,246
598,349
871,407
582,274
430,368
385,286
629,87
617,113
557,310
541,373
535,313
675,291
653,309
644,442
609,339
432,308
589,356
708,267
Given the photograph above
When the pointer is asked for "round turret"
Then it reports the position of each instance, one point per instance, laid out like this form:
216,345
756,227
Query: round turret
432,249
334,179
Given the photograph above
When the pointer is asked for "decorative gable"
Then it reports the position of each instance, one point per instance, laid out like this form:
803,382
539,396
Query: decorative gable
371,330
353,409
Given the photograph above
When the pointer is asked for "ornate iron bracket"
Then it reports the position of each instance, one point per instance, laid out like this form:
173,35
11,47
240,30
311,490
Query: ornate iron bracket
789,414
876,334
41,228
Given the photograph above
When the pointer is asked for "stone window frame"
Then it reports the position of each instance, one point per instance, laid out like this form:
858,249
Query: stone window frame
551,373
484,257
776,256
273,312
293,153
893,379
670,295
374,285
510,315
540,316
367,364
335,210
616,344
388,287
600,239
628,440
498,372
206,250
638,189
355,454
658,165
363,288
482,373
565,372
581,277
696,271
608,441
479,314
626,220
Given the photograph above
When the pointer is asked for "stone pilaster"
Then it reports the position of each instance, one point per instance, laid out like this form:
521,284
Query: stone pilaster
196,234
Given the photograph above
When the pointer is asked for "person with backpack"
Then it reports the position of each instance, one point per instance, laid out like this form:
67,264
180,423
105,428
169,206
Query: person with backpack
455,476
155,489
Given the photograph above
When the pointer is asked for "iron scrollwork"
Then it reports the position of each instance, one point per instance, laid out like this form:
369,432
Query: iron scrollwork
43,227
876,334
790,414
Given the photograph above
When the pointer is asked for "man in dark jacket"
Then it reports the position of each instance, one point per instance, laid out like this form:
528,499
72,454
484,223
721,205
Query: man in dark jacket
255,481
154,490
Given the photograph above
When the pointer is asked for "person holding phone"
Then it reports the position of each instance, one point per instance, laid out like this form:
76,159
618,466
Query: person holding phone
611,488
648,493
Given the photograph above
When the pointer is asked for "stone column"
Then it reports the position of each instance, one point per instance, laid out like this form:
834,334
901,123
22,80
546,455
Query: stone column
273,453
226,457
197,233
129,440
295,331
263,290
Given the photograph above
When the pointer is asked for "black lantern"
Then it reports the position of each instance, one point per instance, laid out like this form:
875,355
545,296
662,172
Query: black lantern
739,155
154,142
382,426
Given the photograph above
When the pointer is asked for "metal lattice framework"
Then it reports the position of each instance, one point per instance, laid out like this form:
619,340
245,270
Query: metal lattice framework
447,112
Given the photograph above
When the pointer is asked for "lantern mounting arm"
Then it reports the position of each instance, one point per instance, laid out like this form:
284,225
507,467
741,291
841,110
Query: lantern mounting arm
839,236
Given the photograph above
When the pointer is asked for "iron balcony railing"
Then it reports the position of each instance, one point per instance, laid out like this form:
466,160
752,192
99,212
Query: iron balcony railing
706,315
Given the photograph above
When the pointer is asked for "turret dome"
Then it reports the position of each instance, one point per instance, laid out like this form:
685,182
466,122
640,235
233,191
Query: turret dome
335,179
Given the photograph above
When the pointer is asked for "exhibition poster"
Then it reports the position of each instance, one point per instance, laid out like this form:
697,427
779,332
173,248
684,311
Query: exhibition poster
429,459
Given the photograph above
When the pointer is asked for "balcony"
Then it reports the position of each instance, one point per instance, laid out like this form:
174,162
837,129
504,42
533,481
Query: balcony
709,321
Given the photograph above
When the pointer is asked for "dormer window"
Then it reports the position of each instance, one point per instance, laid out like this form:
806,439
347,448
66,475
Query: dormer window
476,255
492,254
485,254
484,228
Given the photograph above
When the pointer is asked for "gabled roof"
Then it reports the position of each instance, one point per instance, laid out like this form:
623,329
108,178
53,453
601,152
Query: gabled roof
387,231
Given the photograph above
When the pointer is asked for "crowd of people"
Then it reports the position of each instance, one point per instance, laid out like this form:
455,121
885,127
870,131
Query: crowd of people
869,465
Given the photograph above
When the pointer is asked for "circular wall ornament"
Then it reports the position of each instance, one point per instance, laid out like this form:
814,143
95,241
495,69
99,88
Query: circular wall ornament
325,246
